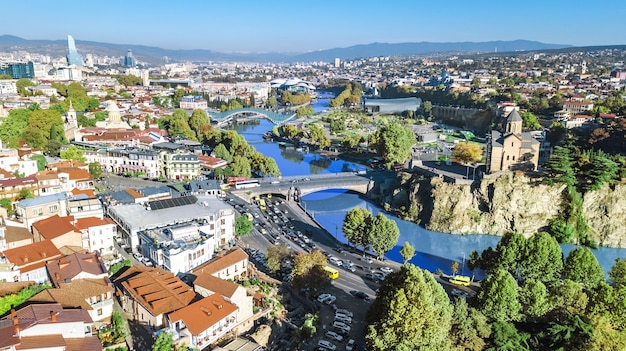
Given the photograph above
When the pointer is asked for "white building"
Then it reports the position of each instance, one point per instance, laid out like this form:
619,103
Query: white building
216,218
126,160
11,162
98,234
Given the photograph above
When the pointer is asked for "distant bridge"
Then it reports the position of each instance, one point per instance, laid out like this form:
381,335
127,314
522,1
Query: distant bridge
295,187
227,116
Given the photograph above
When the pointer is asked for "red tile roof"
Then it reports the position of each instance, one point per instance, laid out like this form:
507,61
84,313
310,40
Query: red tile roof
88,222
87,192
201,315
32,254
30,180
216,285
72,265
156,290
221,262
54,226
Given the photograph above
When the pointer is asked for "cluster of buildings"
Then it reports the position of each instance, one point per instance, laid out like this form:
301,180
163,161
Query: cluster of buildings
184,285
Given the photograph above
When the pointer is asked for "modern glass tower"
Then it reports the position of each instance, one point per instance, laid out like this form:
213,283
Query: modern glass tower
129,60
73,58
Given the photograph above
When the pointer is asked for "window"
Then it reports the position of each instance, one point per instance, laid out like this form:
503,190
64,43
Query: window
507,157
52,208
513,157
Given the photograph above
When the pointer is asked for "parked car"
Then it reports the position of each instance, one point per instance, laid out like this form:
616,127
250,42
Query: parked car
334,336
327,344
366,259
351,345
343,319
146,261
138,256
345,312
360,295
341,327
323,297
386,269
372,277
330,300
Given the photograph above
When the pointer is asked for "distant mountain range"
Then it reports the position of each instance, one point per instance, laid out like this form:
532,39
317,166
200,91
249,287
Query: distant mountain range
154,55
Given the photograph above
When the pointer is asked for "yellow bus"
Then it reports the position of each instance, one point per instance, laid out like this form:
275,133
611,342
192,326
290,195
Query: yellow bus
460,280
331,272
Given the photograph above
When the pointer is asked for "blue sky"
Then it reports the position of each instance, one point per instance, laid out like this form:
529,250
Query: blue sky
301,26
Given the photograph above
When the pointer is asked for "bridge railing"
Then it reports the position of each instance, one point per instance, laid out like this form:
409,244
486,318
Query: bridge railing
290,179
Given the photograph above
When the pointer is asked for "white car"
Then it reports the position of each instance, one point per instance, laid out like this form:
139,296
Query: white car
350,345
138,256
334,336
366,259
146,261
329,300
341,327
386,270
344,312
343,319
323,297
327,344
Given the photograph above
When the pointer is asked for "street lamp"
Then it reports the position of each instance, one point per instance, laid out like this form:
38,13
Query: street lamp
336,230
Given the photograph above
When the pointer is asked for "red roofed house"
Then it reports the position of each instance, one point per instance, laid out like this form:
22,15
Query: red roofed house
28,263
206,284
11,188
12,237
75,178
204,322
231,265
59,230
210,163
48,327
80,281
151,293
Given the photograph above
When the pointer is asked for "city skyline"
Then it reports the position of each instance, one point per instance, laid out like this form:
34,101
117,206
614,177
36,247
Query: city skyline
249,26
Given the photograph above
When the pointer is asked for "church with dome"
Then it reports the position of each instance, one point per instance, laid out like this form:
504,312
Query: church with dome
512,149
114,120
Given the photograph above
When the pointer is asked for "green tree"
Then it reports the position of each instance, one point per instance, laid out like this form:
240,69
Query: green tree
241,166
534,297
529,121
543,259
120,330
73,153
411,312
356,226
505,337
561,166
22,85
394,142
41,161
407,252
198,120
308,270
582,266
562,231
510,252
13,126
617,273
556,132
164,342
116,267
7,204
179,125
271,102
569,296
54,148
24,194
384,234
95,169
498,297
220,151
243,225
275,255
43,124
469,328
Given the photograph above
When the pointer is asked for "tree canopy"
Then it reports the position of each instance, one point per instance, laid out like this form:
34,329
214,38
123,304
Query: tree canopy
411,312
394,142
243,225
383,234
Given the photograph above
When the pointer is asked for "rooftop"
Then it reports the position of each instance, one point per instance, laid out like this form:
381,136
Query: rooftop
203,314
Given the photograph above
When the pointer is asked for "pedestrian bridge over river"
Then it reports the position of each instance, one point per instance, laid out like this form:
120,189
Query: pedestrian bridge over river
296,187
250,112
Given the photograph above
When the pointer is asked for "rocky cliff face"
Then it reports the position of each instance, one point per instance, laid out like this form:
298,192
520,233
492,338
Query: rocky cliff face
509,202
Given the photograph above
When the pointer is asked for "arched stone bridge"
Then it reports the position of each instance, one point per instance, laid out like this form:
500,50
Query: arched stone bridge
295,187
227,116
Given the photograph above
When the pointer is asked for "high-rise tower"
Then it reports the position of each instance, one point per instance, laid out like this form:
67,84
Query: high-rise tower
129,60
73,58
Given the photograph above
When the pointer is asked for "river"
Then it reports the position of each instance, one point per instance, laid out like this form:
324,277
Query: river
434,250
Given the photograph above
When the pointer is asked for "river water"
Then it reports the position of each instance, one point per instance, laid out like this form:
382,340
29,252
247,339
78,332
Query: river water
434,250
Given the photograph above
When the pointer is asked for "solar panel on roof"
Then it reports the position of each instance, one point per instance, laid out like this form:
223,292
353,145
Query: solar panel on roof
174,202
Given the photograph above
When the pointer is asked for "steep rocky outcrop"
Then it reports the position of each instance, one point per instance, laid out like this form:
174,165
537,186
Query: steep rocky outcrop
508,202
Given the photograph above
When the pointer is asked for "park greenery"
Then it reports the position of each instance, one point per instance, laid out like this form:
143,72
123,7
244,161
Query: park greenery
532,299
393,142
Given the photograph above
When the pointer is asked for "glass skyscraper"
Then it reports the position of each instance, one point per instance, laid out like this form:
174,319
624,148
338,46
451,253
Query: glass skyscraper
73,58
129,60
